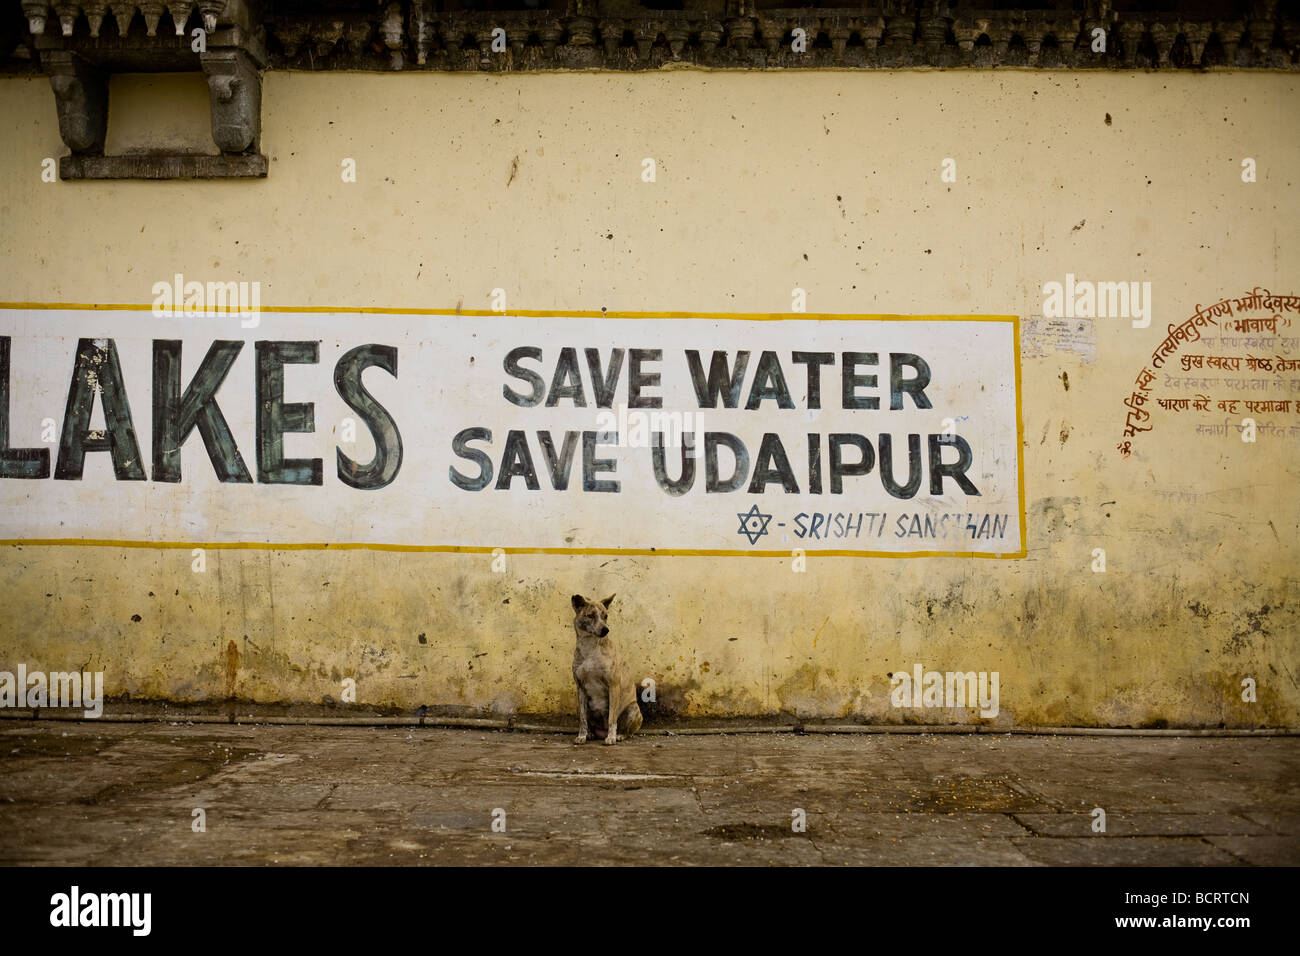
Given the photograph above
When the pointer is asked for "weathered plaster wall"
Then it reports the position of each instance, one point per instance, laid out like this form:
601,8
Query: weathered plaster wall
830,182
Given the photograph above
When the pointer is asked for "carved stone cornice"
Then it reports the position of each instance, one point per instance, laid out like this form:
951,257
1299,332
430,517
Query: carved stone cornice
388,35
233,42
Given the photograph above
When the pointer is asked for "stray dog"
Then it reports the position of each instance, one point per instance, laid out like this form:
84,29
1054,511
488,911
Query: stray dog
607,704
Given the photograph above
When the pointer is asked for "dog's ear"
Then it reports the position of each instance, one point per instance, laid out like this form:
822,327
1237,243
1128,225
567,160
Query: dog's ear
578,602
607,601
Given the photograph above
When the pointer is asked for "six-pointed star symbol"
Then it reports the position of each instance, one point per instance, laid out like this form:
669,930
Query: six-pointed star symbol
753,524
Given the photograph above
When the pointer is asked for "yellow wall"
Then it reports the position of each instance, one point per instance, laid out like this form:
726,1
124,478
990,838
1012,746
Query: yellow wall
825,181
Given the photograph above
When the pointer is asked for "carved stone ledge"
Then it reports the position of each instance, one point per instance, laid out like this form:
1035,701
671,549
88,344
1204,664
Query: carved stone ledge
163,166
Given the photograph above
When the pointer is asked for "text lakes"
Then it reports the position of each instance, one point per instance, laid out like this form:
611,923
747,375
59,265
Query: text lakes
820,525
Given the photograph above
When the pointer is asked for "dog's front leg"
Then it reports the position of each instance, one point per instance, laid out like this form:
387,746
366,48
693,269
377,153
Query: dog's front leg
612,701
582,715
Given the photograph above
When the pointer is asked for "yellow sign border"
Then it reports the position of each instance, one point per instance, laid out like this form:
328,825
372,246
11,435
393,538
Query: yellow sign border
551,314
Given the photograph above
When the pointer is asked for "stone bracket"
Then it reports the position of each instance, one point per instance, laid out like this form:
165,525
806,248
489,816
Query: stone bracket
81,98
235,92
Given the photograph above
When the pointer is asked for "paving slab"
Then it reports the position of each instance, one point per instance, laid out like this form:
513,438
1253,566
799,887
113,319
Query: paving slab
1125,851
1120,824
1259,850
87,793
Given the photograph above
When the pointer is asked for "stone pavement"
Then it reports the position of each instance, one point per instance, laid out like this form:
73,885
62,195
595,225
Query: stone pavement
114,794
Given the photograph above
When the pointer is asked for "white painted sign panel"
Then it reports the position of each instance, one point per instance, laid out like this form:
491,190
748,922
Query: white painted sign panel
868,435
